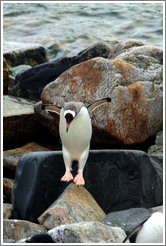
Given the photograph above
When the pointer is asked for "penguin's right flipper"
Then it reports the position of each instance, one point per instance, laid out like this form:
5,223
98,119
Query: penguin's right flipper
98,103
51,108
137,228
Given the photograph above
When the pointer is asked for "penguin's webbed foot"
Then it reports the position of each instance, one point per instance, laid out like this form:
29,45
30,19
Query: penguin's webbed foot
79,180
67,176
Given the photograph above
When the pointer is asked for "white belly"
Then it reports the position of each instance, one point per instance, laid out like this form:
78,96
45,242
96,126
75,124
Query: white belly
77,139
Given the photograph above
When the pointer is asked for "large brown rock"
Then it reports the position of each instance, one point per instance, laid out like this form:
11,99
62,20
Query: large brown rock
11,157
75,204
17,229
133,80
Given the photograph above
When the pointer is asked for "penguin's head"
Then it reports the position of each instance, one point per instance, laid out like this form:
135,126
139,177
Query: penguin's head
71,110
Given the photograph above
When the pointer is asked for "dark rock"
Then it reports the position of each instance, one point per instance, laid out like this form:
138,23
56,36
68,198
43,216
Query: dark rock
31,82
128,220
117,179
29,54
5,77
17,229
40,238
157,162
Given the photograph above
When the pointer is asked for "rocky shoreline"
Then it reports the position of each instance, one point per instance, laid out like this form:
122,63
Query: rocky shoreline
124,171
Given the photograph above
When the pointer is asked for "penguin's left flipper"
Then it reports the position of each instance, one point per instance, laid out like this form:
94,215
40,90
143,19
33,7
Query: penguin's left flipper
98,103
51,108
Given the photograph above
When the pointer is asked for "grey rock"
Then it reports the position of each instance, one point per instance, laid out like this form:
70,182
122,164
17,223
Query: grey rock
19,122
157,149
87,232
26,53
74,205
128,219
7,210
18,229
8,241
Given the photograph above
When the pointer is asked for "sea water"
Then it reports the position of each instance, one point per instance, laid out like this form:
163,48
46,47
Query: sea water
65,27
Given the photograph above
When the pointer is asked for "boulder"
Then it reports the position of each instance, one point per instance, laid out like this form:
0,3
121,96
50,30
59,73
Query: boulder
87,232
157,162
157,149
31,82
17,229
19,123
74,205
11,157
133,80
7,210
5,77
117,180
25,53
127,220
7,189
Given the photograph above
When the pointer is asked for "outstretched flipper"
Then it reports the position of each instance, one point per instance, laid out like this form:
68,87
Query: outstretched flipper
51,108
137,228
98,103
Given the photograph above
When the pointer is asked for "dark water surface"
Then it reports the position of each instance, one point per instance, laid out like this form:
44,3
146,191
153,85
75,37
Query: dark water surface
65,27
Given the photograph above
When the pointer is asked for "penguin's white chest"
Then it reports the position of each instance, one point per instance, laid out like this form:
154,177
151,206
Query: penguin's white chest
78,137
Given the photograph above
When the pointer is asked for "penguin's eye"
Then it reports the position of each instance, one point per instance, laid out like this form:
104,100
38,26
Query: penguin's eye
69,112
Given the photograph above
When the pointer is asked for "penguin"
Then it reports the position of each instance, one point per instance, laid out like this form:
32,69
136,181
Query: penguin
75,131
150,230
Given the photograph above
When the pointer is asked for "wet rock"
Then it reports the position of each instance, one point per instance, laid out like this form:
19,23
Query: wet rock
26,53
136,110
117,180
19,123
17,229
18,69
31,83
5,77
87,232
7,210
128,219
11,157
157,149
7,189
75,205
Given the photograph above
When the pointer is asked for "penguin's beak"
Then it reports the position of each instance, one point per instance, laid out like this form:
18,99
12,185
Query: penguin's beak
69,118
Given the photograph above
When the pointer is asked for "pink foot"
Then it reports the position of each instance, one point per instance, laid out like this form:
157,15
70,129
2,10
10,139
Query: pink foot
79,180
67,177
